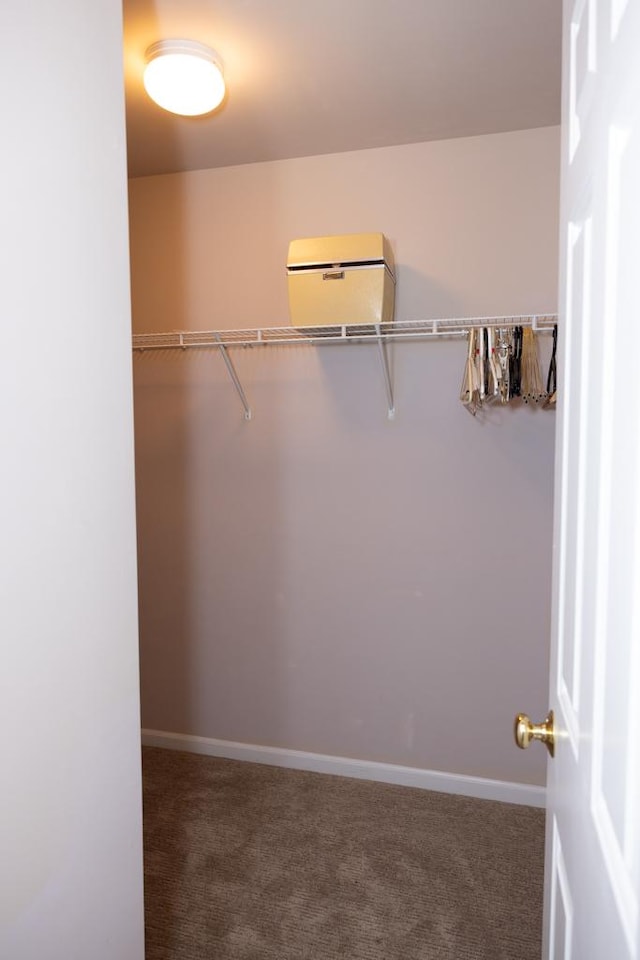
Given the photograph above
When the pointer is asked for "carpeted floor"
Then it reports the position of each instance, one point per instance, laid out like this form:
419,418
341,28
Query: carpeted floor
250,862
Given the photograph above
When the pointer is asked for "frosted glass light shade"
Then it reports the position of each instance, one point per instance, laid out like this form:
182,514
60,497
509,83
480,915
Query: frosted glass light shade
184,77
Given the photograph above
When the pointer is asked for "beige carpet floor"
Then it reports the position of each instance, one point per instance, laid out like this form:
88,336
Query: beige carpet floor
249,862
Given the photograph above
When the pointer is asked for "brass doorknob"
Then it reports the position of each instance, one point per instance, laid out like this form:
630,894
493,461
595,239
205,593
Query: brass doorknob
525,731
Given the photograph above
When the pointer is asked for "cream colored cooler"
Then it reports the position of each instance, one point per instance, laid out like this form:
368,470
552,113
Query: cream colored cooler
347,279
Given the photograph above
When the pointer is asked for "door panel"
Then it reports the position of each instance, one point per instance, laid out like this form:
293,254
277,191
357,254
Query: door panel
593,841
561,903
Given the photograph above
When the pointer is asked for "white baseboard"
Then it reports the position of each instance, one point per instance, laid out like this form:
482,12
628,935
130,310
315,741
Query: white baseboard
522,793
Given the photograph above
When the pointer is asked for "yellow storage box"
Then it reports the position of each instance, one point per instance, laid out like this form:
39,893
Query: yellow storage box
347,279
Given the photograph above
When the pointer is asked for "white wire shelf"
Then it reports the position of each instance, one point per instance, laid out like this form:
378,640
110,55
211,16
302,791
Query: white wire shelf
335,333
378,333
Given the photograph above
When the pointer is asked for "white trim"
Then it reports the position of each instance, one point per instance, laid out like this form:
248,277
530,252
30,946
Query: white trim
522,793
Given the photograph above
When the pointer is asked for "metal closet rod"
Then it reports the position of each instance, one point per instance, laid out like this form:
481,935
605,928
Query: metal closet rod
379,333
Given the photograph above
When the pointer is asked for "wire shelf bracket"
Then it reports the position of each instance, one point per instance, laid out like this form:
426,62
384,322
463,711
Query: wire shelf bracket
386,373
231,370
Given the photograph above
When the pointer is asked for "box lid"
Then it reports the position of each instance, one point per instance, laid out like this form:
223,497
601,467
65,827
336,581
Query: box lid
347,249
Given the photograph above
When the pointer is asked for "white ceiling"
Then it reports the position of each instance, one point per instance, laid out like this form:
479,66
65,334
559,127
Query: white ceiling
309,78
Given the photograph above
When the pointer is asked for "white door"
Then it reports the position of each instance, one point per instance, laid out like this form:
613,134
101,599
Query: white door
592,888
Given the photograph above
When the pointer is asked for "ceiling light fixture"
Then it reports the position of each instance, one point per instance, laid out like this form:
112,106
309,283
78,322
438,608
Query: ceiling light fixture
184,77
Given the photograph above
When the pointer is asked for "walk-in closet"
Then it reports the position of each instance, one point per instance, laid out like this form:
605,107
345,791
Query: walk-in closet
325,578
286,585
275,587
340,569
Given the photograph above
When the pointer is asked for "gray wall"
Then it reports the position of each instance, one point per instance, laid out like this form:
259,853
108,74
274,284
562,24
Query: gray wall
70,806
321,578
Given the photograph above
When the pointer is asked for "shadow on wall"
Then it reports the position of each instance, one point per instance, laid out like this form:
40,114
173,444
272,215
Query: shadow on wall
420,297
209,487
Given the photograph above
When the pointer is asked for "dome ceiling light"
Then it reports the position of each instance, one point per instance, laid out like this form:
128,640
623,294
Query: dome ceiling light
184,77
